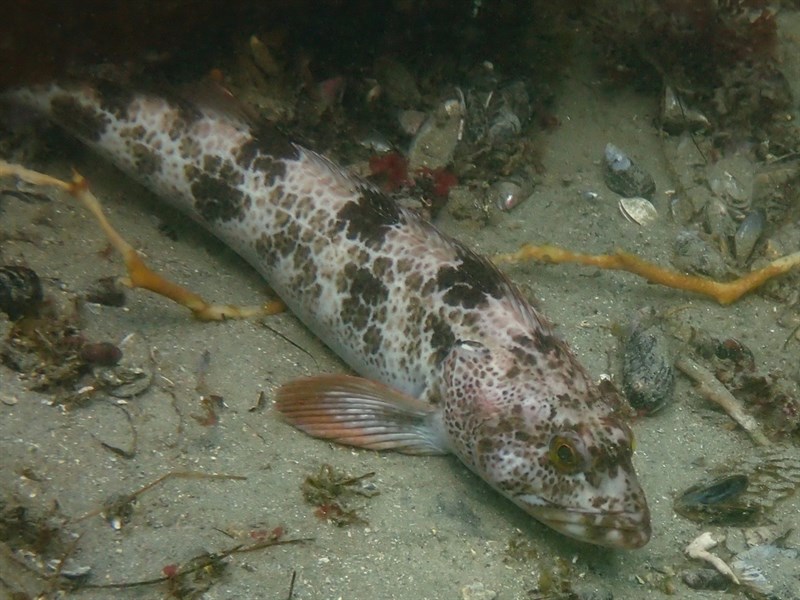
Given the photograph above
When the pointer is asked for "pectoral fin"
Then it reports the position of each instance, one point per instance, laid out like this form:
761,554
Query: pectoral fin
360,412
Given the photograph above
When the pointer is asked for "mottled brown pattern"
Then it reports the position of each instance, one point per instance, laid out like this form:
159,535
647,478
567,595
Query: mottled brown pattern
147,160
399,301
441,336
267,142
87,122
469,283
372,339
266,155
115,99
190,148
215,199
368,218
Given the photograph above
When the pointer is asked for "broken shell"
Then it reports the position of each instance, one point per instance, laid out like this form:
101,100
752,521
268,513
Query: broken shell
625,177
731,179
638,210
677,117
106,291
589,196
719,223
768,571
435,143
134,372
376,142
509,109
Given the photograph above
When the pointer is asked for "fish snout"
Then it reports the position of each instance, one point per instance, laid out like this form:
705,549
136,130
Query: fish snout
623,530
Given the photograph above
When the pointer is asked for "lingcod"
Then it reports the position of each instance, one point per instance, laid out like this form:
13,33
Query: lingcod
450,356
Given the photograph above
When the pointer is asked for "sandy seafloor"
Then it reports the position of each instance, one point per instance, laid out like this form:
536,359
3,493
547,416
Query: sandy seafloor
435,528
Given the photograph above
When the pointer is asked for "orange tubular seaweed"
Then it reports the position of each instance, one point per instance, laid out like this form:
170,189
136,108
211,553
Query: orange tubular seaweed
722,292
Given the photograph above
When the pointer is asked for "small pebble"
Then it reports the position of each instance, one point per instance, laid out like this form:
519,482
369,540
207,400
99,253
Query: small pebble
103,354
705,579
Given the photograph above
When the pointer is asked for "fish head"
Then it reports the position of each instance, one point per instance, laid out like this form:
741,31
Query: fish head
552,445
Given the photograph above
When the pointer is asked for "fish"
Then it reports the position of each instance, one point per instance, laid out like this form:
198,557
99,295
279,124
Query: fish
449,356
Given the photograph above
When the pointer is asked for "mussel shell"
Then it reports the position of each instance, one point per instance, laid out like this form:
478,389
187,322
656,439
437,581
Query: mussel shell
20,291
719,501
625,177
648,375
731,180
723,489
748,234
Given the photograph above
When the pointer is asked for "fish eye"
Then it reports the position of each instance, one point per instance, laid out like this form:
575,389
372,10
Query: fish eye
565,453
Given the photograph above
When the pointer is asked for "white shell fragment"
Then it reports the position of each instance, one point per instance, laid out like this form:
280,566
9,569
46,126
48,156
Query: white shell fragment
638,210
699,550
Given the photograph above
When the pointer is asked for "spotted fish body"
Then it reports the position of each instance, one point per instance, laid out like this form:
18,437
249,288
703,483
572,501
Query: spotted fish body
451,356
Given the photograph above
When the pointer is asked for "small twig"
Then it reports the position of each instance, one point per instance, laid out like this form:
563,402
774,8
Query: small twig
713,391
288,340
794,335
172,475
291,585
201,562
260,403
129,454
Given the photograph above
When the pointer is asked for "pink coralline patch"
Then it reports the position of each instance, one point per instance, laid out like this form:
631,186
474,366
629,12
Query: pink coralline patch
390,170
442,180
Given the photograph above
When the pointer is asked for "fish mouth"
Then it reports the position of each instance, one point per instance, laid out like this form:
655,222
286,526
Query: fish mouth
624,530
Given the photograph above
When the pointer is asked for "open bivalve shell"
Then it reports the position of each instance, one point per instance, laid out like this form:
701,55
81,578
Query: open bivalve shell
638,210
